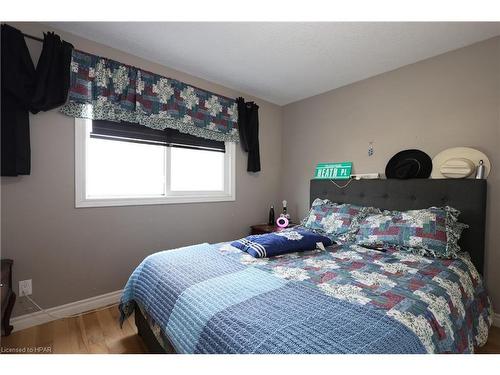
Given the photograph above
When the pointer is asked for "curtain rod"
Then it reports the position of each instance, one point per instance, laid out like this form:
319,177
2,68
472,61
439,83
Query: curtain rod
41,40
28,35
33,37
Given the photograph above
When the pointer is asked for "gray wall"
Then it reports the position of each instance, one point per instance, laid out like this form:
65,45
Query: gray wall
72,254
446,101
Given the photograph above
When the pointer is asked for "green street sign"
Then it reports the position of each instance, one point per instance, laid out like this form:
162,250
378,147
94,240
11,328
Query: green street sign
333,171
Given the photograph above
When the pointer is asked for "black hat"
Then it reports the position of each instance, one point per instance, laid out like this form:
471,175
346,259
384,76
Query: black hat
409,164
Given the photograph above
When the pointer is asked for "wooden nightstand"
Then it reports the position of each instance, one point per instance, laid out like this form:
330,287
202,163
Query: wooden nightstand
265,228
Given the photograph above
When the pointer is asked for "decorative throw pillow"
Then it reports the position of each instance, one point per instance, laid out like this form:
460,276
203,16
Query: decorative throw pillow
433,231
283,242
338,221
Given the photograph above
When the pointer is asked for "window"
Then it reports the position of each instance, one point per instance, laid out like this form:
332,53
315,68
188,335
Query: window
116,166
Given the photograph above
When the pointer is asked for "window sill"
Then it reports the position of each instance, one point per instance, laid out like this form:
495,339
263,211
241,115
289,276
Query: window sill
108,202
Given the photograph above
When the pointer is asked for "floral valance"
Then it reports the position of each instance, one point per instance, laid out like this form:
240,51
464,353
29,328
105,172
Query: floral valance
103,89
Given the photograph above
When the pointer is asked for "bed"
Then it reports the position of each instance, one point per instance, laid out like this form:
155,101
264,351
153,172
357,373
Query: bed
214,298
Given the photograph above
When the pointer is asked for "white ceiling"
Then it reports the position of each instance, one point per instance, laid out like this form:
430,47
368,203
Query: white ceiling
283,62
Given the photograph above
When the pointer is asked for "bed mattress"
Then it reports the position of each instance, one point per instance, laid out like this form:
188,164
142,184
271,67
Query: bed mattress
345,299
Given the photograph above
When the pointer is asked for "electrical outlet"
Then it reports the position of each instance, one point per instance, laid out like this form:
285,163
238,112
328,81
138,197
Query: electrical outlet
25,288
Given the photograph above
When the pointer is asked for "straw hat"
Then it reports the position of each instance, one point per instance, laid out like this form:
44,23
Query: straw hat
459,162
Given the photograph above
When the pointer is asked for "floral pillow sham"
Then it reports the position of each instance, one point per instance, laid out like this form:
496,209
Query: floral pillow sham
337,221
432,232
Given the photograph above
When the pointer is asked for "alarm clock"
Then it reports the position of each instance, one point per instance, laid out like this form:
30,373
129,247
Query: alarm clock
282,222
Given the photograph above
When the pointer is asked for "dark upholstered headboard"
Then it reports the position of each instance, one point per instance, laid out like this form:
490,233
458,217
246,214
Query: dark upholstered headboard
467,195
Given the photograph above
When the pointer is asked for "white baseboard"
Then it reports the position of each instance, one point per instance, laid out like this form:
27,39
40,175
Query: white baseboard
59,312
496,320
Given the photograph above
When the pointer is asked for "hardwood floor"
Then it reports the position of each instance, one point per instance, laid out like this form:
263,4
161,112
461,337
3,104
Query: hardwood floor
94,332
493,344
99,332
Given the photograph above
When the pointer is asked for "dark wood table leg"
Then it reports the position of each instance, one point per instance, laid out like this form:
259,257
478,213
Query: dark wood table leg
6,327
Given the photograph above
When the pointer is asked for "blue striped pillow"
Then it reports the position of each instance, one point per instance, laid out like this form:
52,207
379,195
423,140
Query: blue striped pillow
283,242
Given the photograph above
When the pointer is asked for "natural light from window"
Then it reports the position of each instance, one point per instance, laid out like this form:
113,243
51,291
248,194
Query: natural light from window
118,172
124,169
196,170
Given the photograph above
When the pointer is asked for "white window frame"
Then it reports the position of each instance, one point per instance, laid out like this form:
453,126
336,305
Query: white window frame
82,129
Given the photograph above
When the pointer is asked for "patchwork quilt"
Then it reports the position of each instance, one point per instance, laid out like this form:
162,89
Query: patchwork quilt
345,299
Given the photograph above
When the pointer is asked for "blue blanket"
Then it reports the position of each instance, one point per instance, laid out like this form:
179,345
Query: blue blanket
205,302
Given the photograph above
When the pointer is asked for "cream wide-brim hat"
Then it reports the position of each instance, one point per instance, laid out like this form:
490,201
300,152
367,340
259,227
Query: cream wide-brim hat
459,162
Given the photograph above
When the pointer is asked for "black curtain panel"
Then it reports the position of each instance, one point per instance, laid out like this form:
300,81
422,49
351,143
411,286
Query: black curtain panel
18,86
248,127
52,74
25,88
